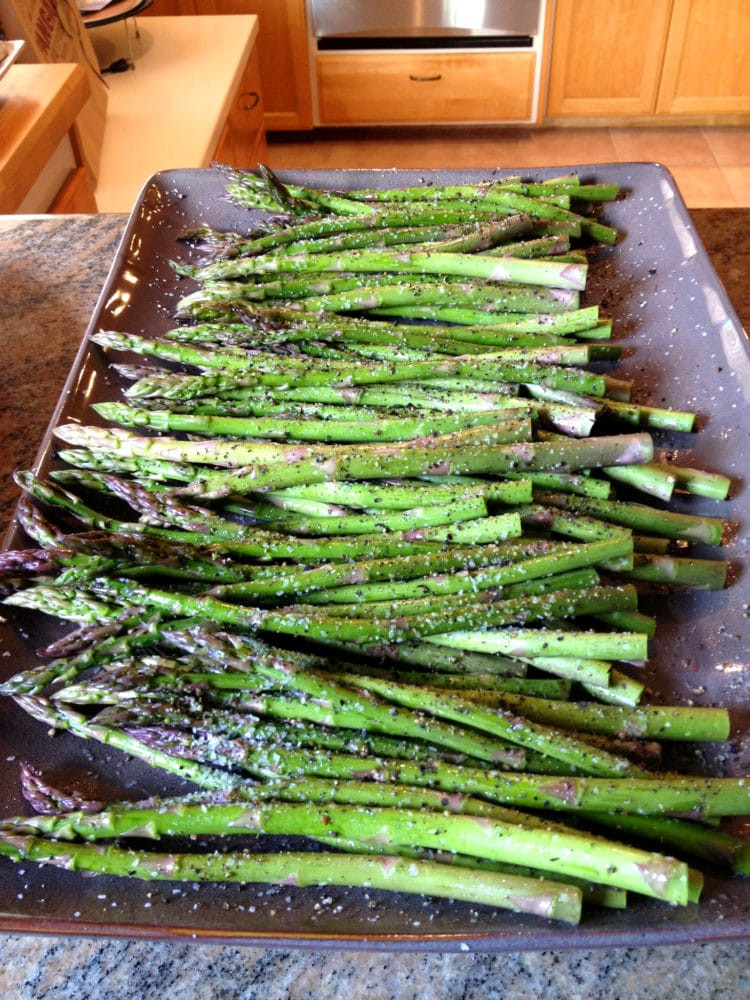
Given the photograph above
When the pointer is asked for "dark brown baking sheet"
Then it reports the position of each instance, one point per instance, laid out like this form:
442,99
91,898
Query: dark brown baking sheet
686,349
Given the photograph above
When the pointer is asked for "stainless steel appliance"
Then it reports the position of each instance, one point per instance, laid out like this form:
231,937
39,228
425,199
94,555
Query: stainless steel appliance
363,24
426,61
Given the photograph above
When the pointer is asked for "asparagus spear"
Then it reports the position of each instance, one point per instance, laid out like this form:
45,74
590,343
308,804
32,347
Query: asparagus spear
273,466
108,596
541,897
682,796
498,723
340,707
571,853
47,798
236,371
232,245
358,575
316,294
198,526
476,197
442,458
639,517
542,273
543,642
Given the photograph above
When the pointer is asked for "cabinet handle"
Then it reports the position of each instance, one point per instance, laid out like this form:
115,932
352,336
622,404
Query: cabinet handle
425,79
252,99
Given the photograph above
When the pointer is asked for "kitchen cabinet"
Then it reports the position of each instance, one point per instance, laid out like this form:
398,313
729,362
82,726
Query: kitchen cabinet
54,33
606,57
243,138
706,60
76,196
282,48
424,88
284,59
41,167
649,58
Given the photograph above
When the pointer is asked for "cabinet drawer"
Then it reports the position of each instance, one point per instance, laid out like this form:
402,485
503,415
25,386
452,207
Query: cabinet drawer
423,88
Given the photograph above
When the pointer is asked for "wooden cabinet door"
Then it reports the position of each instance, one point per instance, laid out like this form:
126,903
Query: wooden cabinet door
707,59
606,57
284,57
243,140
76,196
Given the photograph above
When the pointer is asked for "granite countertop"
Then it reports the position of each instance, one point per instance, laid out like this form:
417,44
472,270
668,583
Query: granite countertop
52,270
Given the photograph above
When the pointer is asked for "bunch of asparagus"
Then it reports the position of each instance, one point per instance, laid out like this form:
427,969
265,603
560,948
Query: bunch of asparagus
358,562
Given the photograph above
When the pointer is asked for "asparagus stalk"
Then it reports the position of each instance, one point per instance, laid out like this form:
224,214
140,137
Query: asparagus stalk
403,494
681,796
273,466
639,517
315,624
338,523
484,197
559,558
439,457
49,799
237,371
571,853
232,359
200,527
543,642
681,571
497,723
541,897
543,273
332,705
674,722
411,394
452,661
409,600
316,294
700,482
376,222
273,428
694,839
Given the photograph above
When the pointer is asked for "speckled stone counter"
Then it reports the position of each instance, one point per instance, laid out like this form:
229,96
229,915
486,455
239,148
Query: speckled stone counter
51,272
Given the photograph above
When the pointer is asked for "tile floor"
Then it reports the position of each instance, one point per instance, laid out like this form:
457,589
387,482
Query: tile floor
711,164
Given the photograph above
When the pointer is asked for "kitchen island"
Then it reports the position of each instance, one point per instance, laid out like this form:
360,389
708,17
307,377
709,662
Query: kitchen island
193,80
53,269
